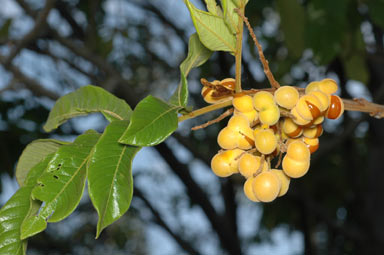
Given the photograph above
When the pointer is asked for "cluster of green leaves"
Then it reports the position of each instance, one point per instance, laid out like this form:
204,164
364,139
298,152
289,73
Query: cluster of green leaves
52,174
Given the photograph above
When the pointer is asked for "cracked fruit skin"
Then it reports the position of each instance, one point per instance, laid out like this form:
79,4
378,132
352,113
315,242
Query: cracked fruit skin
295,168
286,96
266,186
248,189
223,164
336,108
265,141
308,107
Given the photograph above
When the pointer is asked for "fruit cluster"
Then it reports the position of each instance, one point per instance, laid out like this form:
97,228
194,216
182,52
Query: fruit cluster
269,125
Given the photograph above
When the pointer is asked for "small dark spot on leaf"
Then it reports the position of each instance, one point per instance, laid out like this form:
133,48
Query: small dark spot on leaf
56,177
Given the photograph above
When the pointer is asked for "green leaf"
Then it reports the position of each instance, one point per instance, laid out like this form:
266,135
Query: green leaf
152,121
61,186
293,22
33,154
212,30
356,68
198,54
4,29
231,18
85,100
213,8
110,183
16,210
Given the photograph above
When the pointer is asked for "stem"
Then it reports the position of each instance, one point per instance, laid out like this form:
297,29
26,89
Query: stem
206,109
239,46
357,104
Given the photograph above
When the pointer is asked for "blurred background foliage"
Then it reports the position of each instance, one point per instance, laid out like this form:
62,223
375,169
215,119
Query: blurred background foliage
134,47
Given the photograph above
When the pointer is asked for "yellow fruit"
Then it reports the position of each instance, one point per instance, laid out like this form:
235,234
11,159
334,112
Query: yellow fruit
228,138
336,108
286,96
295,168
243,103
323,99
318,120
266,186
297,150
246,139
270,115
225,163
250,116
284,180
262,99
298,119
313,132
248,189
308,107
238,123
265,141
312,144
249,164
328,86
291,128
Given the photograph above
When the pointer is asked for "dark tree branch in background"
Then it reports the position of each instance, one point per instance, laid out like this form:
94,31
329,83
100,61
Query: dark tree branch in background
159,220
227,238
40,23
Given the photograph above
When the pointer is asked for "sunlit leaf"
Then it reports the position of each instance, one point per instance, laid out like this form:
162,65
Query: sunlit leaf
110,183
152,121
61,186
198,54
231,18
16,210
33,154
213,8
85,100
212,30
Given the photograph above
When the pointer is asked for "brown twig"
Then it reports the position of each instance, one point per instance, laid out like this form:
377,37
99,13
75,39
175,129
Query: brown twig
362,105
218,119
267,71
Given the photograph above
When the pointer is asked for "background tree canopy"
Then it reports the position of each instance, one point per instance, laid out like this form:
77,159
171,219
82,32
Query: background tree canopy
133,47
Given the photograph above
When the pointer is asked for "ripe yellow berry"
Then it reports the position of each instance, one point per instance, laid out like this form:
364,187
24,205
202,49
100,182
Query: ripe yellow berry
291,128
297,150
295,168
250,116
323,99
228,138
262,99
265,141
284,180
266,186
238,123
336,108
298,119
249,164
270,115
225,163
243,103
246,139
318,120
313,132
248,189
308,107
328,86
286,96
